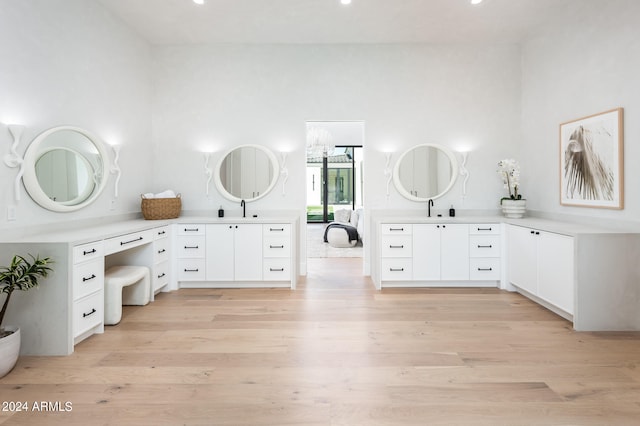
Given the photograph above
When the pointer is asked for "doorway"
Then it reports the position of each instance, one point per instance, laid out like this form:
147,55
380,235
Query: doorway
334,182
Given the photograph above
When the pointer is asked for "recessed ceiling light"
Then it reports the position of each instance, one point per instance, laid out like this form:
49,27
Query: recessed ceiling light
345,1
476,1
198,1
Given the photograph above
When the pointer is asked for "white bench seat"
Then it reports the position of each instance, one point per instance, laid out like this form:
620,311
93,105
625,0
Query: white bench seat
125,285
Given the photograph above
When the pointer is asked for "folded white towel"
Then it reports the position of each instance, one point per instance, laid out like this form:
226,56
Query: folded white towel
166,194
148,195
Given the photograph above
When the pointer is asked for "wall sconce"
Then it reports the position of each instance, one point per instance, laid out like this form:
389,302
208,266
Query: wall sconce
387,170
284,172
208,172
464,173
12,159
115,168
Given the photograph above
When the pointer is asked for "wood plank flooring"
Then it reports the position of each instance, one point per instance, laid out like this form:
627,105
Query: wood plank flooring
335,352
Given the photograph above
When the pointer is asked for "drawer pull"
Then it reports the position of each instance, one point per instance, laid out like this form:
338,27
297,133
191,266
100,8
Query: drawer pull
161,251
276,269
191,229
191,247
276,229
396,269
162,232
398,247
485,269
396,229
485,229
191,270
93,311
85,279
122,243
84,252
161,275
489,246
272,246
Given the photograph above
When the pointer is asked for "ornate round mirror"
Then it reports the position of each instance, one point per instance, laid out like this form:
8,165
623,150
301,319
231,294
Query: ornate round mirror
65,168
425,172
247,172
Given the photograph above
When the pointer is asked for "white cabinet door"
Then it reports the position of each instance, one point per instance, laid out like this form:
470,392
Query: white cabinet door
454,251
522,258
426,252
220,252
248,252
440,252
234,252
555,270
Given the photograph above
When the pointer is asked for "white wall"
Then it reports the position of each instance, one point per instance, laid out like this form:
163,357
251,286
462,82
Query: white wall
223,96
69,62
575,68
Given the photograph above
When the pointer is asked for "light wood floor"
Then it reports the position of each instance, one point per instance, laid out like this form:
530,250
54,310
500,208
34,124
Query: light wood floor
336,352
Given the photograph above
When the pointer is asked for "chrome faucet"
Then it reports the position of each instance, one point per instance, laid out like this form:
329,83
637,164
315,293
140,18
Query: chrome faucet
244,208
429,205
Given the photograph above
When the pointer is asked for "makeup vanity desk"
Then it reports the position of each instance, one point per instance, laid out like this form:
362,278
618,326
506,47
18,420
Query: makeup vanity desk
68,306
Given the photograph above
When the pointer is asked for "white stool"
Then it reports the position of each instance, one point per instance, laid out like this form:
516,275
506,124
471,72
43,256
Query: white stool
125,285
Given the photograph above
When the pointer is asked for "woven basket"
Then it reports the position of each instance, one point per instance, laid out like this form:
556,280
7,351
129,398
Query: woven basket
161,208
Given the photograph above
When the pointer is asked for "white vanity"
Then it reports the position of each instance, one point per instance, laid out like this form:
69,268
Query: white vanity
236,253
416,252
68,306
187,252
587,274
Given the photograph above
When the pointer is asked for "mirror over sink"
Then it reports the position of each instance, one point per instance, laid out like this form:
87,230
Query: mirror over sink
246,172
65,168
425,172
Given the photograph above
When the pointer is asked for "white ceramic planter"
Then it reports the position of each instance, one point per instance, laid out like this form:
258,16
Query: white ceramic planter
514,209
9,350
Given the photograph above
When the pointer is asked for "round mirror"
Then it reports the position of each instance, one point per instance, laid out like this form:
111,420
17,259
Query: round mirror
65,168
425,172
247,172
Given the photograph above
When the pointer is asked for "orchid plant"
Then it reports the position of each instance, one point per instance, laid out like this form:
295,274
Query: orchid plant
509,171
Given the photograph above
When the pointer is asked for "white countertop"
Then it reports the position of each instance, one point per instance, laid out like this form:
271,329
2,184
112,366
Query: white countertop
101,231
559,227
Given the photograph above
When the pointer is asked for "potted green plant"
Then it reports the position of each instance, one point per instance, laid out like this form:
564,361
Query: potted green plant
514,205
22,274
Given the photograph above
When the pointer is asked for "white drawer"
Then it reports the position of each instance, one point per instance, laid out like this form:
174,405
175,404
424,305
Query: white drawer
88,277
160,233
276,269
484,228
191,269
396,269
276,247
190,247
127,241
160,276
88,251
88,312
395,229
161,250
484,246
396,246
191,229
276,230
484,268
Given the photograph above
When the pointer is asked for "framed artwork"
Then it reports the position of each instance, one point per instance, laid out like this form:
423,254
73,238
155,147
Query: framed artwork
591,161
